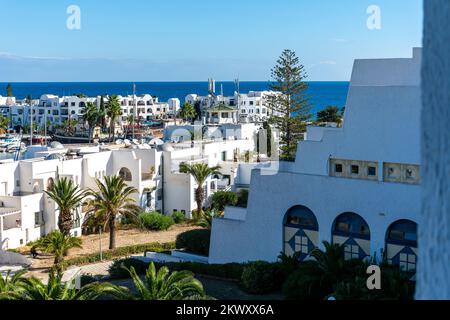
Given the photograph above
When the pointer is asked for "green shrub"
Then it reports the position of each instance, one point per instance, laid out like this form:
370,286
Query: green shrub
230,271
87,278
207,218
395,285
288,264
306,283
119,252
221,199
194,241
117,268
155,221
130,219
196,216
178,217
259,277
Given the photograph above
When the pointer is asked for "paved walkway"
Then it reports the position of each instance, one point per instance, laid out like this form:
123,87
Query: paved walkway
97,269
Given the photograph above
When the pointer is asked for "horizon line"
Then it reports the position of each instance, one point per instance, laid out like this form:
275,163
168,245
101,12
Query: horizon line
163,81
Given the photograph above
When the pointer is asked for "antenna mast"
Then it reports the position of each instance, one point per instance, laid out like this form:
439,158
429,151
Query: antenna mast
134,107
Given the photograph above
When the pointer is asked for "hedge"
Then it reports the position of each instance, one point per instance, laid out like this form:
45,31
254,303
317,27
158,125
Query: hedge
260,277
118,269
229,271
120,252
194,241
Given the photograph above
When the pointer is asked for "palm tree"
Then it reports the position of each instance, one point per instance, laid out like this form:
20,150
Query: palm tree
113,110
68,198
188,112
102,114
10,286
91,117
69,125
4,124
163,285
55,289
130,122
111,200
200,172
58,244
331,262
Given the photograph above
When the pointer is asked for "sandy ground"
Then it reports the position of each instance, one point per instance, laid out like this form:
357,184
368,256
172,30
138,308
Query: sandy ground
91,244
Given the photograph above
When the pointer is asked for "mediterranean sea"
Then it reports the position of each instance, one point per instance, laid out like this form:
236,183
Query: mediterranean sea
320,94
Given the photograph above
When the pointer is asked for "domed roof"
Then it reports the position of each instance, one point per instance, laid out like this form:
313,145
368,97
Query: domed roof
56,145
54,156
156,141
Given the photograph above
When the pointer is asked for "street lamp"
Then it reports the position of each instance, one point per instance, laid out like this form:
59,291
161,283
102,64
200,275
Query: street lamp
100,242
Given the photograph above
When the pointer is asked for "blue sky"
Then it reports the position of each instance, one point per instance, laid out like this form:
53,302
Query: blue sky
180,40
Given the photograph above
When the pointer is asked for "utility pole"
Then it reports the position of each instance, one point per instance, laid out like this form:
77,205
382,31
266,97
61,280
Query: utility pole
134,106
100,242
45,123
31,122
238,94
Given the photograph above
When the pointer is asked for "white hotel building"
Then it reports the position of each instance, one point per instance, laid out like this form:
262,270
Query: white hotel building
27,213
55,110
357,185
251,107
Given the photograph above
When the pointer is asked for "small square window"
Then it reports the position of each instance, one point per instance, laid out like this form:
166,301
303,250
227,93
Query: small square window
338,168
355,169
409,174
372,171
391,171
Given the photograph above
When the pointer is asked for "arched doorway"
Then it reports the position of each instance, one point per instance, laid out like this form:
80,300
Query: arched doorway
352,231
125,174
50,184
301,231
401,244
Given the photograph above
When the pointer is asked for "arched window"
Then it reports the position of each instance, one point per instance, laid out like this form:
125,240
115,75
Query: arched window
351,224
352,231
125,174
403,232
36,187
401,244
301,217
300,232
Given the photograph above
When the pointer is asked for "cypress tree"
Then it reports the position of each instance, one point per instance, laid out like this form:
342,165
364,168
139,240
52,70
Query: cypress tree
9,90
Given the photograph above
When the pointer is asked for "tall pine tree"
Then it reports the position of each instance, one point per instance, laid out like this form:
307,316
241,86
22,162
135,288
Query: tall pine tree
290,110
